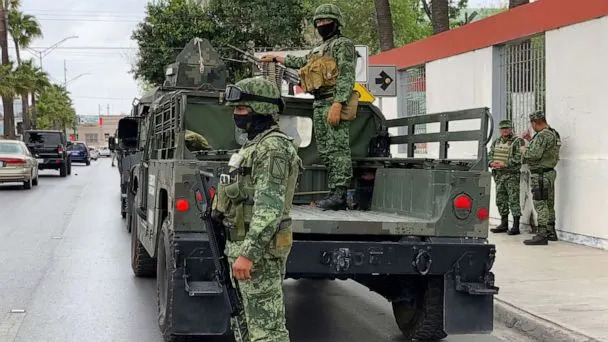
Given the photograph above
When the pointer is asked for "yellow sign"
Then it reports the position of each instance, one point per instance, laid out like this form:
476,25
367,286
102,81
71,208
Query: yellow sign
365,95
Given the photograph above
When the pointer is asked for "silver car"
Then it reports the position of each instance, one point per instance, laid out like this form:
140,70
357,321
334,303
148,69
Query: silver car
17,164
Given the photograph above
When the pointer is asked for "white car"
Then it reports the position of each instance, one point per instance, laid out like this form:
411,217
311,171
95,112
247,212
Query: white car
94,153
104,152
17,164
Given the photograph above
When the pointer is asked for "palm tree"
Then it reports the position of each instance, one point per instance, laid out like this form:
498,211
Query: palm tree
41,82
23,28
7,101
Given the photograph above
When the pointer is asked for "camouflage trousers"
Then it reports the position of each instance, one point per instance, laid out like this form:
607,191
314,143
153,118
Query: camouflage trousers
333,145
263,301
507,192
543,194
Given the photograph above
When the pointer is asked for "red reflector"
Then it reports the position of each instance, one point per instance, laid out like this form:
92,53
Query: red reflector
182,205
212,192
13,161
463,202
483,214
199,196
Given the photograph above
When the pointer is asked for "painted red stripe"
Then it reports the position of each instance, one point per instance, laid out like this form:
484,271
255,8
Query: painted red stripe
520,22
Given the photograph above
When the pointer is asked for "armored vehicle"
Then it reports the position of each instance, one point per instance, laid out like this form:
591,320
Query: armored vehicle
415,231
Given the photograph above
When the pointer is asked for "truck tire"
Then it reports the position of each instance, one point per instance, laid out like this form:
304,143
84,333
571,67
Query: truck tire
142,263
63,170
69,167
130,217
87,162
422,319
164,283
123,208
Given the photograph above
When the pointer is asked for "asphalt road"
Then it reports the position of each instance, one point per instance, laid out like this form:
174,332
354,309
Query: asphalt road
65,274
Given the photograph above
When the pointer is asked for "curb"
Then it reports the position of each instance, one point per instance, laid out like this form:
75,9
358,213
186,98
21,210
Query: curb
536,327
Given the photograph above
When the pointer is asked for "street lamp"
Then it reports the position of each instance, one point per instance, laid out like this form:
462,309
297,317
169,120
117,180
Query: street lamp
45,52
65,83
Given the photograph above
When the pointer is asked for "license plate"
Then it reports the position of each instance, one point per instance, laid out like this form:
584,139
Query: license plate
39,160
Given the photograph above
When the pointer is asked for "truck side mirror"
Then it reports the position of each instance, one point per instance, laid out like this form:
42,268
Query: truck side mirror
112,144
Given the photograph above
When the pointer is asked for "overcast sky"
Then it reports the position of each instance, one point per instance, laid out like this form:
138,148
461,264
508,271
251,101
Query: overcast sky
103,50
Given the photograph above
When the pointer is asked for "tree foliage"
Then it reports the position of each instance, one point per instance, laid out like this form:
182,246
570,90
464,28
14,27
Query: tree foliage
54,108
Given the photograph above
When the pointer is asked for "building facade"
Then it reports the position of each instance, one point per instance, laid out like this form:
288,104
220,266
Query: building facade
95,130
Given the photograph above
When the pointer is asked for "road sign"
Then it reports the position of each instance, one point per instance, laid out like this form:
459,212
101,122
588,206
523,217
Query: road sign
364,94
361,66
382,80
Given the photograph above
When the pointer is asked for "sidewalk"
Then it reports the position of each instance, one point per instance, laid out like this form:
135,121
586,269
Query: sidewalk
563,283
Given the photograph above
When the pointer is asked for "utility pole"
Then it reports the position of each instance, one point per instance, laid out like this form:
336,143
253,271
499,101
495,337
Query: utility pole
65,74
108,109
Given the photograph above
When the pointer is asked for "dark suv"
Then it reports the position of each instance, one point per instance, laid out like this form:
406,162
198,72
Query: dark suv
50,149
79,152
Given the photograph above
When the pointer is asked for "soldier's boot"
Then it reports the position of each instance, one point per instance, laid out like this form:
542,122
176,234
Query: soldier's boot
336,200
503,226
515,229
551,233
537,240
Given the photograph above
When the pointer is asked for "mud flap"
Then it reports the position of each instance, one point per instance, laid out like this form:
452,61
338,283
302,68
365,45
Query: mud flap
465,312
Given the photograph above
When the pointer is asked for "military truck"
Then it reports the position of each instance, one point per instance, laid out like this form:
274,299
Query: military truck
415,231
125,146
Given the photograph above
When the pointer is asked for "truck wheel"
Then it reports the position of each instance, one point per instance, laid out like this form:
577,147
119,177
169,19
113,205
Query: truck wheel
130,216
123,208
142,263
164,283
69,168
88,162
63,170
422,319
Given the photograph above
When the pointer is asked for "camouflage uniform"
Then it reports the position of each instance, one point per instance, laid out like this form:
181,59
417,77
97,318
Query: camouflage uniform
542,156
256,204
196,142
507,179
333,143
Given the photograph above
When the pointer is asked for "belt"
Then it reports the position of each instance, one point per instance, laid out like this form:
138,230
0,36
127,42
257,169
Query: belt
542,170
323,96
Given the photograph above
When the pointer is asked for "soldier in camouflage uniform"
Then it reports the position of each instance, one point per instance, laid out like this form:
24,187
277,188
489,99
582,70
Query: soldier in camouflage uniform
505,161
328,72
196,142
255,199
542,156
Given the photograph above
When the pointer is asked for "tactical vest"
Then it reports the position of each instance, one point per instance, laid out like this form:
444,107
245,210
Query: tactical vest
550,156
320,74
503,150
235,196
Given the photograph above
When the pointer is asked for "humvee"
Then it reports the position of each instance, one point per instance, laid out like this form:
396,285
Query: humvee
415,231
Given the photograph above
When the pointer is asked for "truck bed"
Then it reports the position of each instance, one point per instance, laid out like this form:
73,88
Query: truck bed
308,219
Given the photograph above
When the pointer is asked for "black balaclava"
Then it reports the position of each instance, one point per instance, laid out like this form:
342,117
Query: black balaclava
327,31
253,124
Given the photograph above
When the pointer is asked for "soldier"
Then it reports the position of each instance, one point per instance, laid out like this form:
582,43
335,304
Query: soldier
542,155
255,199
195,142
328,72
505,161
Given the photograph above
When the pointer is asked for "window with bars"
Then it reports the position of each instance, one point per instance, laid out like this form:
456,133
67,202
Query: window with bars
166,124
413,101
91,139
522,80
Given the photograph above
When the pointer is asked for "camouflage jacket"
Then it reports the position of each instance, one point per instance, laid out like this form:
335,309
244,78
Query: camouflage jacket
342,49
514,161
543,151
273,177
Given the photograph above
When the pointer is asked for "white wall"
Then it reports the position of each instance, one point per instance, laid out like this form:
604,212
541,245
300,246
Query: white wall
577,106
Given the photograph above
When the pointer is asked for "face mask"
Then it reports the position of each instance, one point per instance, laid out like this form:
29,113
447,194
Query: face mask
327,31
242,121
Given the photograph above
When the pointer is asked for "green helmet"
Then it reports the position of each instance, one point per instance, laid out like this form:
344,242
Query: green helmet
328,11
267,98
505,124
537,115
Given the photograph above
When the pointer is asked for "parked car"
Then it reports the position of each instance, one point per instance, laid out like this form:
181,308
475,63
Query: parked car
17,164
94,153
50,150
104,152
79,152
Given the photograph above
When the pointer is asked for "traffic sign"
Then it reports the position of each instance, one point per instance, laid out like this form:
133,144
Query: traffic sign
361,65
382,80
364,94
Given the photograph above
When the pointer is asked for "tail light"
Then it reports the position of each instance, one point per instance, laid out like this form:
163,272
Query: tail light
483,214
462,206
60,150
182,205
211,192
13,161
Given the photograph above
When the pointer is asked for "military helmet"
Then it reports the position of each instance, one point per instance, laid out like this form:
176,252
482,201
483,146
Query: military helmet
262,96
505,124
328,11
537,115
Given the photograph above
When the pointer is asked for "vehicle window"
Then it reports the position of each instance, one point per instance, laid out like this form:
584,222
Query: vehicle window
46,138
298,127
10,148
79,147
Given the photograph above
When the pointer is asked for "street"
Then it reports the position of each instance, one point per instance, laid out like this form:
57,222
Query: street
65,274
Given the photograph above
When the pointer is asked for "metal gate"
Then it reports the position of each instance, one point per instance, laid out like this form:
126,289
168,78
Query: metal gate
412,101
522,80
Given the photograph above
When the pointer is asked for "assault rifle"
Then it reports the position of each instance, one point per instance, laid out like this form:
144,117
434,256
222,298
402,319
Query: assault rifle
289,75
